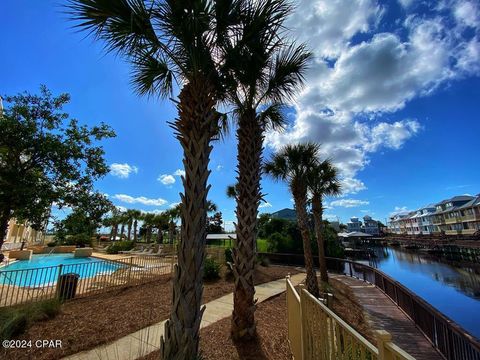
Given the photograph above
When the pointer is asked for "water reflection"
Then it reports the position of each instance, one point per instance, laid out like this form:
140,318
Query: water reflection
454,290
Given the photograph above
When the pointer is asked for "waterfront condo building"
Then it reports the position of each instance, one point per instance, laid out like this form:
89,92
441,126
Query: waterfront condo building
459,215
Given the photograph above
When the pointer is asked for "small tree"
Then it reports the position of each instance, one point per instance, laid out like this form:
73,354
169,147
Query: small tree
86,217
322,181
45,158
214,223
292,164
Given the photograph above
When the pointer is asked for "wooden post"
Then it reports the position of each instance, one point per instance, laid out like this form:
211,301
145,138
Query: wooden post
383,337
303,328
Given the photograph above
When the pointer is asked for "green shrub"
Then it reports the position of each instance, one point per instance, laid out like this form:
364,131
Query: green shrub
229,256
211,270
78,240
120,246
52,244
280,243
15,320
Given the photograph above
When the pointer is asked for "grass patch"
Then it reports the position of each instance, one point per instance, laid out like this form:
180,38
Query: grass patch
15,321
262,245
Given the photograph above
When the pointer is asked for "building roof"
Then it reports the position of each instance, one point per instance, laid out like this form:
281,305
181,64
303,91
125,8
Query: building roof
221,236
461,198
473,202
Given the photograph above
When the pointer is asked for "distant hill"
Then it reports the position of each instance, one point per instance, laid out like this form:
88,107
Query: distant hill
287,214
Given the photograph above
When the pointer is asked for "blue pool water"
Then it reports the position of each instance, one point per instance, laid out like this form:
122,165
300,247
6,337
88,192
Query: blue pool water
43,269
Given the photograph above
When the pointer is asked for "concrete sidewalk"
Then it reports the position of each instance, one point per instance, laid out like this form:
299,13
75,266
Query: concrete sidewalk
147,340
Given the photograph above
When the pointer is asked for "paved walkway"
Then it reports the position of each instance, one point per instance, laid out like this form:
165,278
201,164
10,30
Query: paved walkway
147,340
383,313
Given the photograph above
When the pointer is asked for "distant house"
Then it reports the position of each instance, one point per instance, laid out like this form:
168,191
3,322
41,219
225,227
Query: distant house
354,225
370,226
287,214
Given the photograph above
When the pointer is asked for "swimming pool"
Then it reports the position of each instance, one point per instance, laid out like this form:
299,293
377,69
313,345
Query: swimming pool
44,269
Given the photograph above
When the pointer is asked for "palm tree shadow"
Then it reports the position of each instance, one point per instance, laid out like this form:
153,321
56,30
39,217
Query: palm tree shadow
250,350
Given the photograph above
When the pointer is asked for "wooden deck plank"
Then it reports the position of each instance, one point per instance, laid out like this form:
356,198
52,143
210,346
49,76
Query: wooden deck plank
383,313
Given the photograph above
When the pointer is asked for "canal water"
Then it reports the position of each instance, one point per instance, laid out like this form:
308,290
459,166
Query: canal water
453,290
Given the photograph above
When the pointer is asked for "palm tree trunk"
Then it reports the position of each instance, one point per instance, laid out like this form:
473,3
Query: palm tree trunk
122,228
299,196
110,237
195,127
250,141
135,224
115,231
317,210
129,230
149,234
171,232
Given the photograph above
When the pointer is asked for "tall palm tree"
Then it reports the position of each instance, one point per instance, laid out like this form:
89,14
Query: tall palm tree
292,164
264,70
148,224
160,221
322,181
182,41
137,215
122,219
129,215
173,216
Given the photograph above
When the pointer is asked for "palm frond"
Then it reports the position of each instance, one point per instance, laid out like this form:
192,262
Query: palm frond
288,73
273,117
125,25
152,75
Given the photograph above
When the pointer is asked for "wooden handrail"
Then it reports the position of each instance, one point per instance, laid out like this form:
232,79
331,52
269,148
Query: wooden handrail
450,339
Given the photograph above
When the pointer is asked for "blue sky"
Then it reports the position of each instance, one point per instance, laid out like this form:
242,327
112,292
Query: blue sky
392,97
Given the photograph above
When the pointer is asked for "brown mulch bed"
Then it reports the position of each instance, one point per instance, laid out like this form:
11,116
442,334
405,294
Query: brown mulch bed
89,322
271,342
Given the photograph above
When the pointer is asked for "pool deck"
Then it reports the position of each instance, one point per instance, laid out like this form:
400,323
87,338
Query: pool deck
113,257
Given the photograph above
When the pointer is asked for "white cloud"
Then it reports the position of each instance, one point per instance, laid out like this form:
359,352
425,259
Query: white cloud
219,167
140,200
169,179
348,203
328,25
399,210
123,171
352,186
175,204
166,179
154,211
405,3
392,136
348,99
265,205
179,172
467,13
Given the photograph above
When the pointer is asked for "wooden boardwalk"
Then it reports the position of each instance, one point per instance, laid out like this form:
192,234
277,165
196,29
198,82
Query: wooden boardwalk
383,313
